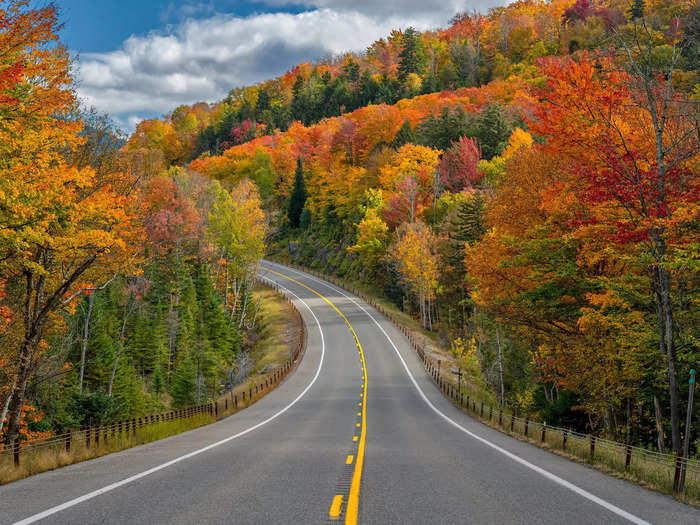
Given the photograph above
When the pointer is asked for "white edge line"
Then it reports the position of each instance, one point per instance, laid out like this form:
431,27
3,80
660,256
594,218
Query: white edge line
108,488
553,477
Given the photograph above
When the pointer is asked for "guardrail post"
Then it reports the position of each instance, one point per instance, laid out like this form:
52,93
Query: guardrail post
226,404
97,437
628,456
512,422
235,401
592,449
490,413
216,409
482,410
87,437
68,438
563,441
544,430
500,417
527,424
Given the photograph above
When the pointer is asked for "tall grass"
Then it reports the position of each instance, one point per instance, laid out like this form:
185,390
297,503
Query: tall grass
283,356
647,468
54,455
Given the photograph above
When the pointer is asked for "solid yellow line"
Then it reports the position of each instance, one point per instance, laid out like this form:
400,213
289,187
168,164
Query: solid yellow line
335,506
349,459
354,497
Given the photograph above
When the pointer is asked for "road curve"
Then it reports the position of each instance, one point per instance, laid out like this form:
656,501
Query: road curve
292,458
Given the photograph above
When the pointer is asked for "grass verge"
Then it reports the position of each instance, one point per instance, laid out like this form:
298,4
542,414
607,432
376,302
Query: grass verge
645,468
275,352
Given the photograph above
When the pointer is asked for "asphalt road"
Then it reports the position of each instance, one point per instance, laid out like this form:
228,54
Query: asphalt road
289,456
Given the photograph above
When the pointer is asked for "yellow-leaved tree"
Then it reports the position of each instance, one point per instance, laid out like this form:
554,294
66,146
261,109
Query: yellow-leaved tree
238,226
415,255
64,231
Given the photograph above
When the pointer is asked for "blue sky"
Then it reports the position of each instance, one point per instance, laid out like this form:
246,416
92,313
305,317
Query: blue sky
102,25
143,58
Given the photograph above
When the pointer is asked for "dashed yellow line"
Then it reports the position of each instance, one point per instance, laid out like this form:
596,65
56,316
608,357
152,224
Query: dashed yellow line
334,513
353,504
348,460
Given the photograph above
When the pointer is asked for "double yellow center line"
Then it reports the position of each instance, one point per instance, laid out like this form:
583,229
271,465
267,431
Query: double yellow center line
353,504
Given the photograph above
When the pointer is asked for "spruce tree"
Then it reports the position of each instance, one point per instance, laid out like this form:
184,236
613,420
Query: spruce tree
467,225
636,10
298,197
440,131
405,135
492,131
411,59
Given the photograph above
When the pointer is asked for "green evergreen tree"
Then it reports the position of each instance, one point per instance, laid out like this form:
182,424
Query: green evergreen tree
263,102
411,57
492,131
352,70
636,10
440,131
298,197
405,135
184,387
300,103
305,219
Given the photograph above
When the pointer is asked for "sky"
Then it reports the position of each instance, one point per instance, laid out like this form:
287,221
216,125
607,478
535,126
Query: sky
142,58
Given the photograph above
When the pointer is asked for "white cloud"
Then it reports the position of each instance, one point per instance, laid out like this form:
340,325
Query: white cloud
202,59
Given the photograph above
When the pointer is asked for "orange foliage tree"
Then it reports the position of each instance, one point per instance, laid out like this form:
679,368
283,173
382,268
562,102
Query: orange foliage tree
63,230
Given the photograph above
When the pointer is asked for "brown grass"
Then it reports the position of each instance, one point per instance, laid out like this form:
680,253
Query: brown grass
278,336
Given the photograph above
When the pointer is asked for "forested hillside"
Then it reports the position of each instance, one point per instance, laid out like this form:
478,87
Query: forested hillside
525,182
125,284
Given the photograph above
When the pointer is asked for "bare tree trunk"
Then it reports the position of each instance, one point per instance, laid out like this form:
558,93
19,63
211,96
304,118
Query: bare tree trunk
500,365
255,314
86,328
6,405
237,288
226,287
664,309
243,307
119,350
659,425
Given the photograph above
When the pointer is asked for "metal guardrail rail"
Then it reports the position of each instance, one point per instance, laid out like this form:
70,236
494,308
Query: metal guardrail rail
121,433
666,469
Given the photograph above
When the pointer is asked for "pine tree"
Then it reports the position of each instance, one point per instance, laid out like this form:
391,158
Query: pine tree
405,135
636,10
411,59
492,131
184,385
298,197
440,131
466,225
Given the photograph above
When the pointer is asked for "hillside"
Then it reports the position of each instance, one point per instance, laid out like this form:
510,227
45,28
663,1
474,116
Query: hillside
523,183
502,181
